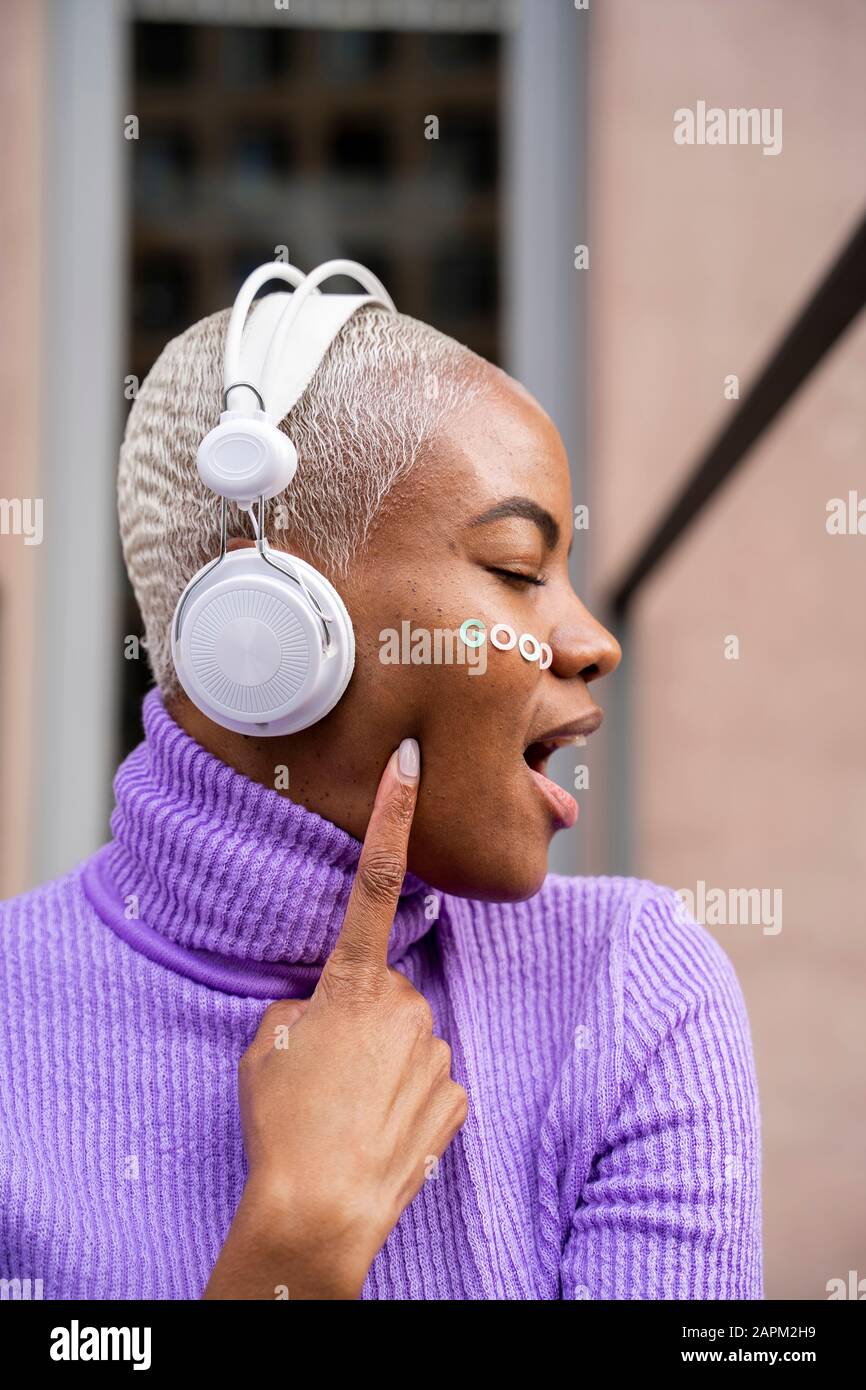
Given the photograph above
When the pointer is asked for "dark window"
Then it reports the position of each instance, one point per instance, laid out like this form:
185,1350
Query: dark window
162,298
253,57
346,55
463,283
456,51
164,54
360,147
467,150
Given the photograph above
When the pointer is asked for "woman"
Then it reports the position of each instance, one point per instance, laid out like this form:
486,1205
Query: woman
268,1044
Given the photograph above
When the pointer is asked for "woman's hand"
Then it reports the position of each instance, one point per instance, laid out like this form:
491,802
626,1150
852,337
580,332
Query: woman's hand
346,1098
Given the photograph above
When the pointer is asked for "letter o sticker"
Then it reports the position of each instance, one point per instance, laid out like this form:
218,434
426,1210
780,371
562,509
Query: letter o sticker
510,633
535,655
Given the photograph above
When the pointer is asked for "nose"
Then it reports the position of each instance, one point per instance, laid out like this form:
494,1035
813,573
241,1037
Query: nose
582,646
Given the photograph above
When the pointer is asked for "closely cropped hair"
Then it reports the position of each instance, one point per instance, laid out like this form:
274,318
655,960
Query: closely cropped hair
380,395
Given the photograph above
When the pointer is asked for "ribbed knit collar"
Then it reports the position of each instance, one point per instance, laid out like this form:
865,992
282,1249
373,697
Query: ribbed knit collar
210,870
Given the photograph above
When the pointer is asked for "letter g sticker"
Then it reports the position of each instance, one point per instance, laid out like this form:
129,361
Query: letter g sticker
473,632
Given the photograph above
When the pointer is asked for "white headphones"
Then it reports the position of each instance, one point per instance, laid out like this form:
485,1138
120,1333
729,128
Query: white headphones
261,641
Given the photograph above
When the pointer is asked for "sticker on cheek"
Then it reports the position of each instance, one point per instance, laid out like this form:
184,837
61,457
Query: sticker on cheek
474,633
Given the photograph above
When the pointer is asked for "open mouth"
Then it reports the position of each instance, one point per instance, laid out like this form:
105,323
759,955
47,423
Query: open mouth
536,754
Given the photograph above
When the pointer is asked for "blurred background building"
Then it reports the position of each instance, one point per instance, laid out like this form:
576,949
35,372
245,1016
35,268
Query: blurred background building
157,150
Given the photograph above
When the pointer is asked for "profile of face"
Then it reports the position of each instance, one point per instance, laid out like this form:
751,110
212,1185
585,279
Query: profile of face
479,530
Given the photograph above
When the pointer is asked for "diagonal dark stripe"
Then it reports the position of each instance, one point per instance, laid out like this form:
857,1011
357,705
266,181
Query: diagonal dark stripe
833,306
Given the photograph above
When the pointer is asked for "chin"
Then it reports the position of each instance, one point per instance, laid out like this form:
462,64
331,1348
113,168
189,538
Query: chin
496,873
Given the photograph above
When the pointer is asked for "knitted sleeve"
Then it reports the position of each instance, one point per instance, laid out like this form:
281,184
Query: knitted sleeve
671,1207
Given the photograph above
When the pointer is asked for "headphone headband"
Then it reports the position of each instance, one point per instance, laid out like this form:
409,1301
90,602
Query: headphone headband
283,342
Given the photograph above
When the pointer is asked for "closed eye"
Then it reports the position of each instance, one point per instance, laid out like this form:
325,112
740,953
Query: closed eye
515,575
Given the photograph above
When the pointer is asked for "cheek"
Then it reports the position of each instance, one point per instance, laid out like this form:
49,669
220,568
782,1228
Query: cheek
470,715
478,828
430,672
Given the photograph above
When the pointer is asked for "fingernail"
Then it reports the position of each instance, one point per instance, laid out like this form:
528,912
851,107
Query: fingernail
409,760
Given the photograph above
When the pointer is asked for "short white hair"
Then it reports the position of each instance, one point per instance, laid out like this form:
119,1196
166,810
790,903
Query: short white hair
377,400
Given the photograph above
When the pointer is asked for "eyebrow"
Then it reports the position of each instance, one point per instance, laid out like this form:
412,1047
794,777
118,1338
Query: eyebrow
528,510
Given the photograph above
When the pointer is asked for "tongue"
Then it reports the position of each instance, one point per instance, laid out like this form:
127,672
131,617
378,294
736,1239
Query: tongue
566,805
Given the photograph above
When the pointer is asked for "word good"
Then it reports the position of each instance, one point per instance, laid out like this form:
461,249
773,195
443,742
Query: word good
474,633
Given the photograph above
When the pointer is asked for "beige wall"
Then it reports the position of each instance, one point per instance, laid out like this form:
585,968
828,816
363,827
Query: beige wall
752,772
21,88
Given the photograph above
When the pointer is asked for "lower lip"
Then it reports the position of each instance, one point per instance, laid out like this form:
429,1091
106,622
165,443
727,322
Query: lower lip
564,806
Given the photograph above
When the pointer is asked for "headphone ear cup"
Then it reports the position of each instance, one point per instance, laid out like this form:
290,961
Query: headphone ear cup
250,650
246,456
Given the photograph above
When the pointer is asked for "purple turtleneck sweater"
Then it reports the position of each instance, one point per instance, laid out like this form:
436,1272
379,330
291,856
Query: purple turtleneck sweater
611,1148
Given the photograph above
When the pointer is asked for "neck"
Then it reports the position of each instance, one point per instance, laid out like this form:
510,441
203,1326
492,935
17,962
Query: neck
293,766
227,871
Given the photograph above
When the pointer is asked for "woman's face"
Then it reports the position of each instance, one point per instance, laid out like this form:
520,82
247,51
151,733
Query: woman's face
480,532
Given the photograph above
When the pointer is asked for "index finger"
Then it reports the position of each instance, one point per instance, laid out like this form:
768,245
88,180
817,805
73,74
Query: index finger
366,928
